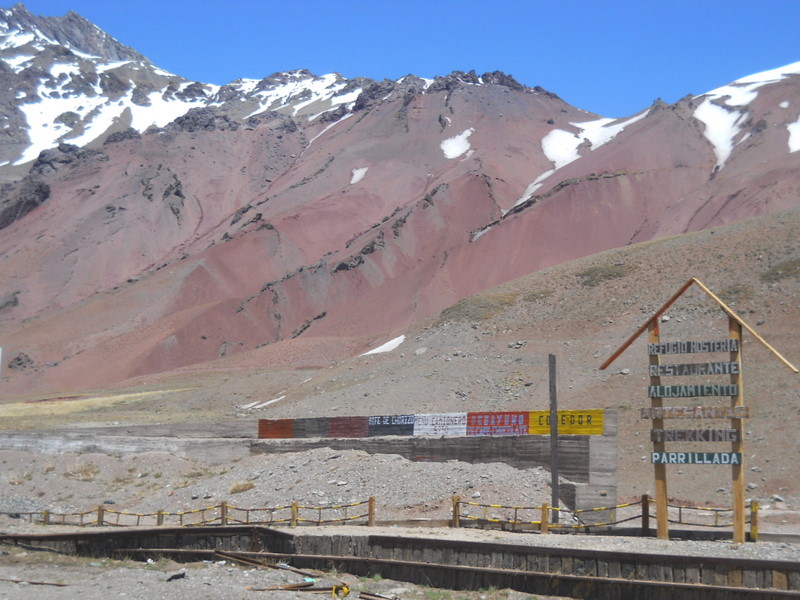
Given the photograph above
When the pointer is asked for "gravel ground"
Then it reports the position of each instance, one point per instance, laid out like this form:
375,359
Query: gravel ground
153,481
29,575
150,482
101,579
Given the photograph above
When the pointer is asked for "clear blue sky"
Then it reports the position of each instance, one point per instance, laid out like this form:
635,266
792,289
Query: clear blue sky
611,57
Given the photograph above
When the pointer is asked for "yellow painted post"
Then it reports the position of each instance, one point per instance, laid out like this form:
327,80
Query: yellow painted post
160,518
223,513
754,521
371,511
295,512
100,515
662,516
545,517
46,517
456,520
737,471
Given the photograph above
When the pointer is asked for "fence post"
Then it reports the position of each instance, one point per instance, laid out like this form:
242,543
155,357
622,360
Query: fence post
371,511
160,518
456,520
754,520
100,515
645,515
545,517
295,511
223,513
46,517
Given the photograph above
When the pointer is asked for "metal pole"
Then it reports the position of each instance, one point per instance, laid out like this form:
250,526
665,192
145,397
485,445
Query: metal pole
553,437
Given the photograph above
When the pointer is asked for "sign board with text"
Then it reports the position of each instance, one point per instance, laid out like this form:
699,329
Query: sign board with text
570,422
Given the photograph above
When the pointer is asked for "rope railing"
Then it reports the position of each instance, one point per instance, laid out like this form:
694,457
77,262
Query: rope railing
542,518
218,514
716,512
580,524
546,522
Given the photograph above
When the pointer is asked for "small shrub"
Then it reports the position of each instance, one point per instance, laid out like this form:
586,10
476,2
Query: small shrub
241,486
537,295
197,472
85,472
736,293
17,480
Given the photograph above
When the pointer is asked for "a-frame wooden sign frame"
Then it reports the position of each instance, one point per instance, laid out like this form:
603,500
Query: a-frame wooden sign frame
658,412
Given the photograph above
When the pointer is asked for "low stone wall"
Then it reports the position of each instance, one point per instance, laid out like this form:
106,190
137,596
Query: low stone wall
587,463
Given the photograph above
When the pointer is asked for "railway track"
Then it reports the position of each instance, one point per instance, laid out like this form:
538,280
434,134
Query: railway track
453,564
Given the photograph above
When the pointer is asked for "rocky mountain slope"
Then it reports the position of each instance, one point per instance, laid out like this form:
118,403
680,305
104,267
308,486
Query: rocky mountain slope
151,223
173,251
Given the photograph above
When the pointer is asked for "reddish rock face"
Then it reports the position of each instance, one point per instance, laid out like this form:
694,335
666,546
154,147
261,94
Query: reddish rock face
184,246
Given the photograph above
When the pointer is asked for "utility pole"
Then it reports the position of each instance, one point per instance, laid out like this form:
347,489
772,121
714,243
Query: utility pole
553,437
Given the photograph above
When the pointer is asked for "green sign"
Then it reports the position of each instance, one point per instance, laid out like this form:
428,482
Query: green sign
696,458
704,368
691,391
729,345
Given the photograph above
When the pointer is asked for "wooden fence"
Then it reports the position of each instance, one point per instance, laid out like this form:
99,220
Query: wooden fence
542,518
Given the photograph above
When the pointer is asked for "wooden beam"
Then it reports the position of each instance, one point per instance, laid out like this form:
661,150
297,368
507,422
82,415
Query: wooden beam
741,322
731,313
645,325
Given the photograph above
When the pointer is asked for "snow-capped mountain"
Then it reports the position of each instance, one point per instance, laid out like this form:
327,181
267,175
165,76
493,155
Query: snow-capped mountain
70,82
154,223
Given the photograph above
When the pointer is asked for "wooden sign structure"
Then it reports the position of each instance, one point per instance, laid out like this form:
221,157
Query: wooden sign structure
734,389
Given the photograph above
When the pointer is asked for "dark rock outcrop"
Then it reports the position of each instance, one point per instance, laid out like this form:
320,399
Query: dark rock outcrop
31,194
65,155
203,119
120,136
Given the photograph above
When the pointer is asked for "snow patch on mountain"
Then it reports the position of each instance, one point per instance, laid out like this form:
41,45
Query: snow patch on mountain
45,116
794,136
300,91
331,126
724,109
721,127
14,38
457,145
19,62
358,174
387,347
563,147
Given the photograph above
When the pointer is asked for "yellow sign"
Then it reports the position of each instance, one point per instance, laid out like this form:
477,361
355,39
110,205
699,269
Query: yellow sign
570,422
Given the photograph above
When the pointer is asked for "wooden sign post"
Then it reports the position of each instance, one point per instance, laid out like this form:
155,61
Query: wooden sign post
737,471
657,411
662,520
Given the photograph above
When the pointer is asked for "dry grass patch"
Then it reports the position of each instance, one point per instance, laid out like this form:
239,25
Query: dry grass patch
477,308
737,293
782,270
15,479
60,406
537,295
84,472
594,276
241,486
